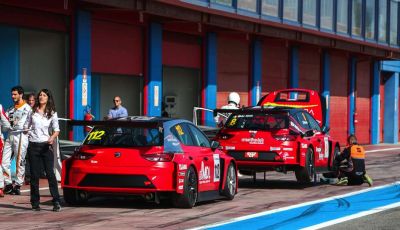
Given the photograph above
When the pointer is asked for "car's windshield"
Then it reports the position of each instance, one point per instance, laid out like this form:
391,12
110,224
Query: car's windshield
258,121
125,136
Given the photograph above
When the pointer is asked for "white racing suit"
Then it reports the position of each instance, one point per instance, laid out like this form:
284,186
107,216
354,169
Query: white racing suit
218,119
16,144
4,127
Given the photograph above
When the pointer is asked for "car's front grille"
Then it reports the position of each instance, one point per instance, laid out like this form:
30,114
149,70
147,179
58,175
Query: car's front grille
262,156
116,181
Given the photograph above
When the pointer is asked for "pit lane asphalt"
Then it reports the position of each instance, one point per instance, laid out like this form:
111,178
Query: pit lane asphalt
278,191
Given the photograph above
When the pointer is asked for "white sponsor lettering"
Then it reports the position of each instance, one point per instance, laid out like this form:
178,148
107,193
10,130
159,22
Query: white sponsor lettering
321,156
274,148
204,174
251,154
180,181
254,141
230,147
287,149
182,166
93,161
181,174
180,187
318,150
304,146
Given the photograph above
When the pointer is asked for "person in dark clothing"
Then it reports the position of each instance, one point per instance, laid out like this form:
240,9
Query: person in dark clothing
43,118
352,173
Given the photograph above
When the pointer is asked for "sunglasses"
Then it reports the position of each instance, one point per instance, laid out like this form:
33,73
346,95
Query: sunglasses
116,100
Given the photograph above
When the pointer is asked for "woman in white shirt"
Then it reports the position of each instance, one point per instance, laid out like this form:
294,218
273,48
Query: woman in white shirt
43,118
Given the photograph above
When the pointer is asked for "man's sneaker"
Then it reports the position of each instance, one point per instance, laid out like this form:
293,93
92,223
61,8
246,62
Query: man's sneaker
56,207
342,181
368,180
35,207
8,189
17,190
1,193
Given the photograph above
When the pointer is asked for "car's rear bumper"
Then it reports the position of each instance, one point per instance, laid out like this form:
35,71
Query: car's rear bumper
130,180
265,165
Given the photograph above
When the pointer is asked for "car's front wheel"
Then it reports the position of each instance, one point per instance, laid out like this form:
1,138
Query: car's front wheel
190,191
307,173
230,182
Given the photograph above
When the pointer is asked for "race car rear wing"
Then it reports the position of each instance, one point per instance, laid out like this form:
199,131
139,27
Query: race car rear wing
248,110
116,123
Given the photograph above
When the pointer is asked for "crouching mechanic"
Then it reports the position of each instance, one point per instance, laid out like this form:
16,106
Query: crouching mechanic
16,143
354,172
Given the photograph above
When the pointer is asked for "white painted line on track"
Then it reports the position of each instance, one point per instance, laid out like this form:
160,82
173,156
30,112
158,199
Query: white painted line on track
351,217
293,206
381,150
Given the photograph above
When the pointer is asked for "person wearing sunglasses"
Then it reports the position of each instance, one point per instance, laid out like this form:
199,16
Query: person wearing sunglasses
118,110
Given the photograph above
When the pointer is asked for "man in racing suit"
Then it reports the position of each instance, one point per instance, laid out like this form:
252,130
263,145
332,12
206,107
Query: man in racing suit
4,126
16,143
354,173
233,103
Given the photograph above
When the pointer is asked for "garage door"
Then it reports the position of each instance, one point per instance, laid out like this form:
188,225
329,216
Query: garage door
274,65
339,102
309,68
363,87
232,59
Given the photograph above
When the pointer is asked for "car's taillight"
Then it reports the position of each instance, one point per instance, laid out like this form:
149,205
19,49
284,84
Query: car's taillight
224,136
284,137
83,155
158,157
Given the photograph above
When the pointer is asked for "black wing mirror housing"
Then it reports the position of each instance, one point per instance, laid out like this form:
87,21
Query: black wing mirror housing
214,145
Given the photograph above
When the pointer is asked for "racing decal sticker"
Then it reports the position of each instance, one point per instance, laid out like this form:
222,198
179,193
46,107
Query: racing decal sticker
96,135
285,156
287,149
318,150
253,141
204,174
180,181
230,147
274,148
233,121
251,154
181,173
321,156
182,166
326,142
304,146
179,130
172,140
217,166
180,187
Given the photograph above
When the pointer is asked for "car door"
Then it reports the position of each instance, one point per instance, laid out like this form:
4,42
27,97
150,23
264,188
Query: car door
206,161
321,141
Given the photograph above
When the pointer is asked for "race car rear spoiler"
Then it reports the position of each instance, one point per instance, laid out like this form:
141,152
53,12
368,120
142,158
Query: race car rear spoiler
249,110
116,123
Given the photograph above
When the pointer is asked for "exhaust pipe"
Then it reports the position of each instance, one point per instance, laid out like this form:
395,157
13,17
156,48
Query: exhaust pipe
83,195
152,197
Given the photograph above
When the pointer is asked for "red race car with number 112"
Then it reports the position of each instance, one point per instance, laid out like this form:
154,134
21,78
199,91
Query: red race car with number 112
153,157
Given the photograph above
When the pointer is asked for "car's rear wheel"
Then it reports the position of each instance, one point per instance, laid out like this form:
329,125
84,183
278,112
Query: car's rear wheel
72,197
230,182
307,173
190,191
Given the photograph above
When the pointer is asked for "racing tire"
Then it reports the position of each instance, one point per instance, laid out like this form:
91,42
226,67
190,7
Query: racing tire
307,173
71,197
190,191
334,168
230,182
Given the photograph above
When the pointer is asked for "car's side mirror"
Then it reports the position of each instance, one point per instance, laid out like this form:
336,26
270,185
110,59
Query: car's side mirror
325,129
214,145
309,133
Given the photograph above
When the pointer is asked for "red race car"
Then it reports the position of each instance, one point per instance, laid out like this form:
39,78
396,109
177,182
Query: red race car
282,133
152,157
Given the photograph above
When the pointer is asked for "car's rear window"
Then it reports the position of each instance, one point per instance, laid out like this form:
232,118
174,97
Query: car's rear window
258,121
125,137
289,96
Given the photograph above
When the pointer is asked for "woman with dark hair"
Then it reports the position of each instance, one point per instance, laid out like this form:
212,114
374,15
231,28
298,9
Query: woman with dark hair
43,118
